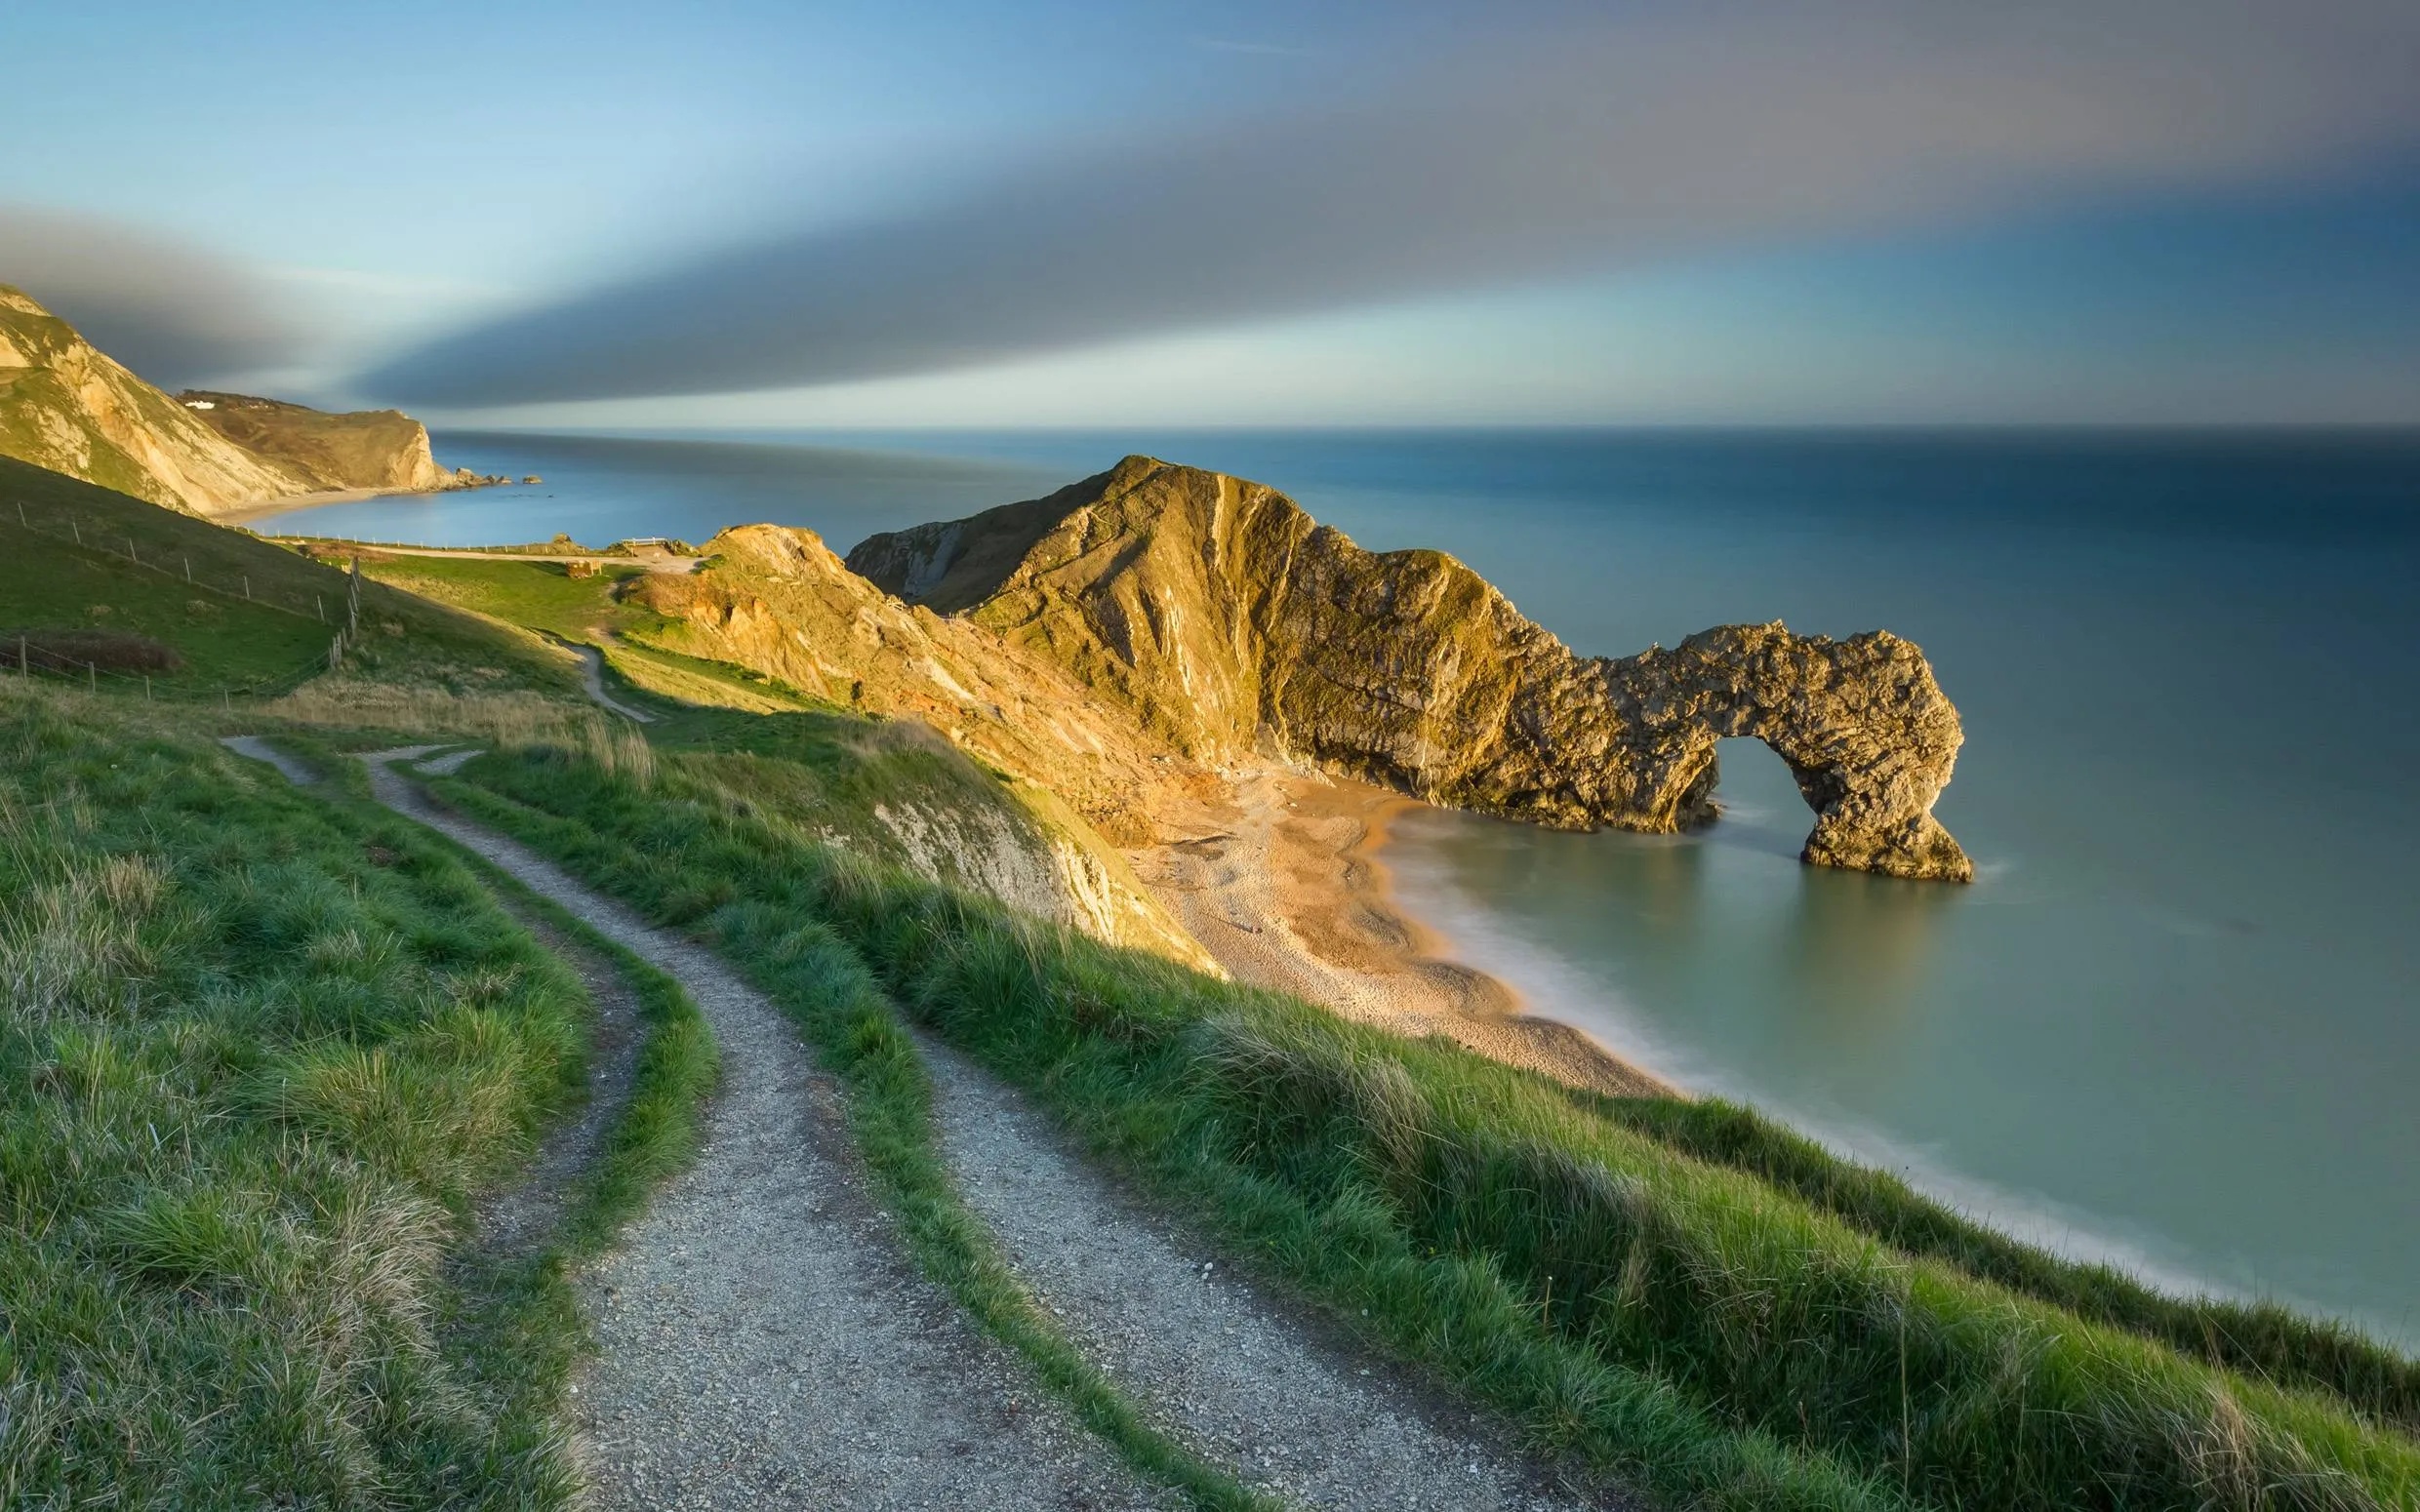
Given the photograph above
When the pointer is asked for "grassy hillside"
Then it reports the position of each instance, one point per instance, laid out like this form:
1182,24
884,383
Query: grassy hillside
1711,1333
263,1048
243,617
592,610
889,789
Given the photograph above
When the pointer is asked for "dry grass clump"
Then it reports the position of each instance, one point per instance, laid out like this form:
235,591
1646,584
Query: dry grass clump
510,718
516,721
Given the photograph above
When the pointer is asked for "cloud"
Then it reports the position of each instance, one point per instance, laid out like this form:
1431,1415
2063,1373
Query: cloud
1572,142
174,314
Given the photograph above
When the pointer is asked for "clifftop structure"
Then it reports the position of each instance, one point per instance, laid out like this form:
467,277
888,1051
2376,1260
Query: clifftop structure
1231,624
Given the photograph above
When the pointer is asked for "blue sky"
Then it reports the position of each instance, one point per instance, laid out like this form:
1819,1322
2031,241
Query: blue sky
1085,213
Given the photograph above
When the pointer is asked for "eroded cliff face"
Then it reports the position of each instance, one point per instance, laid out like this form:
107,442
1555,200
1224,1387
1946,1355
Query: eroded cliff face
364,448
1231,625
67,406
776,600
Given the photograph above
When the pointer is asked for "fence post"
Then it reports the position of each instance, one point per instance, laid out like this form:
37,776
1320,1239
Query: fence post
92,675
320,605
24,659
20,515
78,528
188,572
146,687
247,587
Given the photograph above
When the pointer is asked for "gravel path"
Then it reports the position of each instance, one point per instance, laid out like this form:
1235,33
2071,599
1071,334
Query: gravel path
763,1340
592,674
1280,1397
257,749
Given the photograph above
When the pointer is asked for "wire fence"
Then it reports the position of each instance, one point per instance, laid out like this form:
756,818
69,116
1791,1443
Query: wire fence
29,657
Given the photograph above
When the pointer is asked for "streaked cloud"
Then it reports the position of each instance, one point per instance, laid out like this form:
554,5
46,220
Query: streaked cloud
1570,142
175,314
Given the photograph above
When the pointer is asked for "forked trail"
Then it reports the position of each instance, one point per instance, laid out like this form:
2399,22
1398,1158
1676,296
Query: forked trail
764,1339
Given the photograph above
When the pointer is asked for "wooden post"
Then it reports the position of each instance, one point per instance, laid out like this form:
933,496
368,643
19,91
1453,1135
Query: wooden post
25,661
92,675
320,605
20,515
78,528
130,552
188,572
226,701
146,687
247,587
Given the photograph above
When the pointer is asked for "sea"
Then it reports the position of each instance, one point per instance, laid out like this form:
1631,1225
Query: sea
2175,1022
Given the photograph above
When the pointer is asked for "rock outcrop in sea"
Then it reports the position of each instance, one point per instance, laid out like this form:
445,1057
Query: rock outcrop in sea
1231,624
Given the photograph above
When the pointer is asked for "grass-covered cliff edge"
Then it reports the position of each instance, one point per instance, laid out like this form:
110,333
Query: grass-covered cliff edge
269,1049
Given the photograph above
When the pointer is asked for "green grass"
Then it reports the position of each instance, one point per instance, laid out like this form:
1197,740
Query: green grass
1708,1333
2259,1339
262,1051
249,619
544,596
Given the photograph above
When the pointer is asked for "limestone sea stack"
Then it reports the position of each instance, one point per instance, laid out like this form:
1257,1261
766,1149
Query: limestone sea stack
1232,625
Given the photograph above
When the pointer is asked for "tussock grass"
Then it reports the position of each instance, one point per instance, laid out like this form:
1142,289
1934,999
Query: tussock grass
2259,1339
258,1053
1707,1333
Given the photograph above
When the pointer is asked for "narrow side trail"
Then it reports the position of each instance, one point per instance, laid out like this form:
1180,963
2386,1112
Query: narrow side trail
592,677
1244,1378
763,1341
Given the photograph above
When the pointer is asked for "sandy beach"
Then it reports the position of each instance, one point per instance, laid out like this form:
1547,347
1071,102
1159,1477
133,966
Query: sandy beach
264,508
1286,885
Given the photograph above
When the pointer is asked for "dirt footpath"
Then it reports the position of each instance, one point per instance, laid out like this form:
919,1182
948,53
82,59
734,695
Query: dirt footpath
763,1341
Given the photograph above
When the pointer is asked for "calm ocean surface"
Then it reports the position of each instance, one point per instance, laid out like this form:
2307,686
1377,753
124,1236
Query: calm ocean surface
2177,1022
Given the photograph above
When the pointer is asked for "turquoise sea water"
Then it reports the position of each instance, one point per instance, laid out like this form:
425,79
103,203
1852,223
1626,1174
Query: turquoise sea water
2178,1019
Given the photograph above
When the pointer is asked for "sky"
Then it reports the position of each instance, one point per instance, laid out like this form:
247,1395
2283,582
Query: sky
1080,213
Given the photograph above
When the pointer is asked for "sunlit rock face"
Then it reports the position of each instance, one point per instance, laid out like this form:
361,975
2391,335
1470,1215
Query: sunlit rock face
1233,626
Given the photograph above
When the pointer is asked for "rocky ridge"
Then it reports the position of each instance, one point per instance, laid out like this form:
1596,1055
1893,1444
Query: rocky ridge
1231,626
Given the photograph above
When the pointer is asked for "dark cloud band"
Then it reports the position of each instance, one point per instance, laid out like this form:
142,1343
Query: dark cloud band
174,314
1575,146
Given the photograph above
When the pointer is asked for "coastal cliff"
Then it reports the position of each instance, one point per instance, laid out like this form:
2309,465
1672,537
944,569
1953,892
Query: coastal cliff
1231,624
365,449
67,406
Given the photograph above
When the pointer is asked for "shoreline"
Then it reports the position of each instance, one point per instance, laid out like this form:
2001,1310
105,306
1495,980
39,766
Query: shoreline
285,504
262,509
1286,886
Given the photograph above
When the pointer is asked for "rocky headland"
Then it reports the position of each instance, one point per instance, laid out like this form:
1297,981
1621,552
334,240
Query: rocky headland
1234,628
1233,695
67,406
